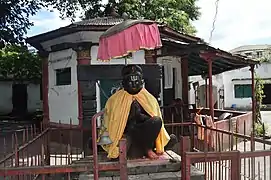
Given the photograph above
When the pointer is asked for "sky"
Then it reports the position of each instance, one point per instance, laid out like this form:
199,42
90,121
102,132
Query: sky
238,22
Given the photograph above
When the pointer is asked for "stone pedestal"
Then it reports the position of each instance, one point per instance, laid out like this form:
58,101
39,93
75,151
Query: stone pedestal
167,167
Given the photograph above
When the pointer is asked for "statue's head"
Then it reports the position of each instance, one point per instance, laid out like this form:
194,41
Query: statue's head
132,79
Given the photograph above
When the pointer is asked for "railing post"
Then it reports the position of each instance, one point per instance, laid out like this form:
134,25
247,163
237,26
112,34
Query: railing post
42,157
123,160
16,150
192,145
184,144
94,147
236,166
47,147
184,147
186,167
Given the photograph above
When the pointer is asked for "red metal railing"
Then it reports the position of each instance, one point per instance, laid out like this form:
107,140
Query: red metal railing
228,165
15,135
228,154
51,151
218,162
121,165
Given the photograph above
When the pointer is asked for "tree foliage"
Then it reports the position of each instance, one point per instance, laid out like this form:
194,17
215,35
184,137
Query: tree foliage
266,58
16,62
261,127
14,19
259,95
15,14
178,14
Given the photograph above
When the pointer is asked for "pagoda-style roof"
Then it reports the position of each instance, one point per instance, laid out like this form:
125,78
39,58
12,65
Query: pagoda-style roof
175,43
101,24
100,21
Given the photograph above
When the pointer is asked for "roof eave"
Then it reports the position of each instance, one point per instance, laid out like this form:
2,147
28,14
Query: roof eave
184,37
36,40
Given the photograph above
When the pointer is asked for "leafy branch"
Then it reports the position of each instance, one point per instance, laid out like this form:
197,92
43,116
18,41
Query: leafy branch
15,14
17,63
259,95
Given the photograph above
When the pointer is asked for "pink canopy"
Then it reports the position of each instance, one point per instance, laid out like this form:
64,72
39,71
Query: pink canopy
128,36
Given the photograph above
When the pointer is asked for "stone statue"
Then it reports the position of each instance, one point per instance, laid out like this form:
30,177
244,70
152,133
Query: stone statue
134,113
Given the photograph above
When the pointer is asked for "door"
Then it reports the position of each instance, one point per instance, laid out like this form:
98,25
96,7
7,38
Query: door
19,99
267,94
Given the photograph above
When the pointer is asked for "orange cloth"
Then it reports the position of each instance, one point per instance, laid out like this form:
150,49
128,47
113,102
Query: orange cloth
117,110
210,133
198,121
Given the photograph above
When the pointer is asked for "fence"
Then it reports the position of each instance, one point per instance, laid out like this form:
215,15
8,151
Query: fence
21,132
247,158
51,151
220,154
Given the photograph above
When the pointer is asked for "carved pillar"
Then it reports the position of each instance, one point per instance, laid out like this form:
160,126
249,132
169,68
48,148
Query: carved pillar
83,55
83,58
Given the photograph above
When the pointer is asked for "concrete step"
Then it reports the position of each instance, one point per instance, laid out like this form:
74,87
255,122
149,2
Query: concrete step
167,167
195,175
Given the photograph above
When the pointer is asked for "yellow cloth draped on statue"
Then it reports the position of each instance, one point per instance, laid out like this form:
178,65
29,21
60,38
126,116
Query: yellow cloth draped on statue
117,110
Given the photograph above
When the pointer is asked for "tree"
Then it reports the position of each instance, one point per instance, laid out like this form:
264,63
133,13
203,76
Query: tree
259,86
14,16
178,14
14,19
259,95
18,63
260,126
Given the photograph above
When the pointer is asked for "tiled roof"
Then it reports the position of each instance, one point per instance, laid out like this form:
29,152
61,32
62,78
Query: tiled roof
100,21
250,48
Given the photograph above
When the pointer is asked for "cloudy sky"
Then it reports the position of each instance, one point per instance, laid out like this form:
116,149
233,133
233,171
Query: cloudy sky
239,22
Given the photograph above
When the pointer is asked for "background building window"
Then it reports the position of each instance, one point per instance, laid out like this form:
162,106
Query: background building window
63,76
242,90
259,54
248,54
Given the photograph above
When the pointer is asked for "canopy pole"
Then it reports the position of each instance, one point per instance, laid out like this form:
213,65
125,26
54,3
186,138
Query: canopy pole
252,69
206,92
208,56
210,72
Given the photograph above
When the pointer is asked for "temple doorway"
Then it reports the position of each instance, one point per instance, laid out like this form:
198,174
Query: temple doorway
19,99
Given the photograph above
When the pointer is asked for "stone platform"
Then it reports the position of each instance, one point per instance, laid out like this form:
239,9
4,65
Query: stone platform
166,167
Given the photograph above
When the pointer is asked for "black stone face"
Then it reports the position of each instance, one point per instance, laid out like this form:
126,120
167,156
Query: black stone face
133,83
133,79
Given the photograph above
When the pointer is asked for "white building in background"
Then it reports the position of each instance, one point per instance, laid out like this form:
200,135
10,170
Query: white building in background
20,97
233,88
